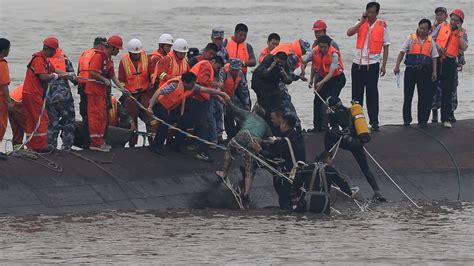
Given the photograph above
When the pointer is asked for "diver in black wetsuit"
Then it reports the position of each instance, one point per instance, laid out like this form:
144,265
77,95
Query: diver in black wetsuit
341,125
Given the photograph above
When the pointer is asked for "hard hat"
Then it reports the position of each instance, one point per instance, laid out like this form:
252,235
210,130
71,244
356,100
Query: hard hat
180,45
135,46
459,13
165,38
51,42
115,41
319,25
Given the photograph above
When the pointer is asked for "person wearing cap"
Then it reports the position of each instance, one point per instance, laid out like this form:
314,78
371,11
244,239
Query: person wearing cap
60,103
217,38
39,73
174,64
134,72
421,63
234,85
370,59
209,52
342,128
273,41
451,39
6,103
238,48
98,91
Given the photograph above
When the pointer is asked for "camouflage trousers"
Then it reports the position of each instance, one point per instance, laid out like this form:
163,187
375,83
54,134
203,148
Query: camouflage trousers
61,118
287,104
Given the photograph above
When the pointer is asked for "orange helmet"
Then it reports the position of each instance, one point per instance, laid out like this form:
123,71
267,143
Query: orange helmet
459,13
319,25
115,41
51,42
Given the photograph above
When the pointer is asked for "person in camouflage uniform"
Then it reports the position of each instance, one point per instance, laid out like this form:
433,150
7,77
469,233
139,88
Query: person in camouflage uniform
61,112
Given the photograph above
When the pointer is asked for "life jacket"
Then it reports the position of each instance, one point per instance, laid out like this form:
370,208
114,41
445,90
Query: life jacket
106,63
289,49
113,112
419,54
449,40
156,55
177,67
375,43
230,84
238,50
58,60
136,80
263,53
196,69
322,63
84,62
17,94
177,97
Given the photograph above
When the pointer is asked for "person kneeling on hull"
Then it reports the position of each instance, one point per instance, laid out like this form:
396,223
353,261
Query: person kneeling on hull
313,185
352,137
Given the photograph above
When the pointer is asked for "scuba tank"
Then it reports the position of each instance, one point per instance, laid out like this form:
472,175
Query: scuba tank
360,124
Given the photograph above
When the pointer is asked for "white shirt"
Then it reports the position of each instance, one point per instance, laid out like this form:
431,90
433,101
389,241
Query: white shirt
364,52
408,42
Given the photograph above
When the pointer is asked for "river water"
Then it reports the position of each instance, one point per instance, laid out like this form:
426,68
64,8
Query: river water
390,234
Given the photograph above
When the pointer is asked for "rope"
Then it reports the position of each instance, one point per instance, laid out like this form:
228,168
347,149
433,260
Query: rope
34,156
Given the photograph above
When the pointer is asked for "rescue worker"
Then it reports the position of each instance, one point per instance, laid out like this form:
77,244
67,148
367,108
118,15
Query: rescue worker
165,42
83,73
327,62
291,153
102,70
6,103
168,103
173,65
320,29
234,85
342,127
209,52
421,62
117,115
316,198
273,41
60,103
451,39
134,73
217,38
39,73
254,129
17,117
372,38
238,48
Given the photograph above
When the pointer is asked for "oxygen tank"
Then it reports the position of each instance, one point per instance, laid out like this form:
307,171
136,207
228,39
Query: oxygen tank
360,123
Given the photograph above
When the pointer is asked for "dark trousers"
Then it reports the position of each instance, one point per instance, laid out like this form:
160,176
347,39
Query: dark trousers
196,111
171,117
365,79
446,79
421,77
230,124
83,113
332,88
283,189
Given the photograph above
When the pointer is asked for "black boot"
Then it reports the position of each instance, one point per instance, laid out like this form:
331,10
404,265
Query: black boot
434,118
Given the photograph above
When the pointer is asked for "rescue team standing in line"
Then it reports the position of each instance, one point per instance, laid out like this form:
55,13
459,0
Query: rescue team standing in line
187,89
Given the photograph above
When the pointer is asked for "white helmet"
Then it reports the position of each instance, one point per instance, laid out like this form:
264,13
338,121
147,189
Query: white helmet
180,45
135,46
165,38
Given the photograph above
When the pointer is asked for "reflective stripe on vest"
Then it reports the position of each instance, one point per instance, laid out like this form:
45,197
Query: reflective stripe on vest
230,84
375,43
419,54
196,69
175,98
136,80
17,94
84,62
58,60
449,40
238,50
322,63
177,67
113,116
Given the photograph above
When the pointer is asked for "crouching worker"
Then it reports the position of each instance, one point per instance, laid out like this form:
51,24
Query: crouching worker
290,149
168,104
254,129
350,137
313,185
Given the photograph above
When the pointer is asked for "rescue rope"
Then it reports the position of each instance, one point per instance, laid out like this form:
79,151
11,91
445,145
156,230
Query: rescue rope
35,156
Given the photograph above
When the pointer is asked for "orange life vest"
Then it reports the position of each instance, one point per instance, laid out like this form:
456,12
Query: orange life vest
17,94
449,40
419,55
263,53
156,55
322,63
196,69
136,79
113,112
58,60
293,48
177,67
84,62
238,50
177,97
230,84
375,43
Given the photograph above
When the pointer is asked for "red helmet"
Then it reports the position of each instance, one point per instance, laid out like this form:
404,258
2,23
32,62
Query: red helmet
115,41
459,13
51,42
319,25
